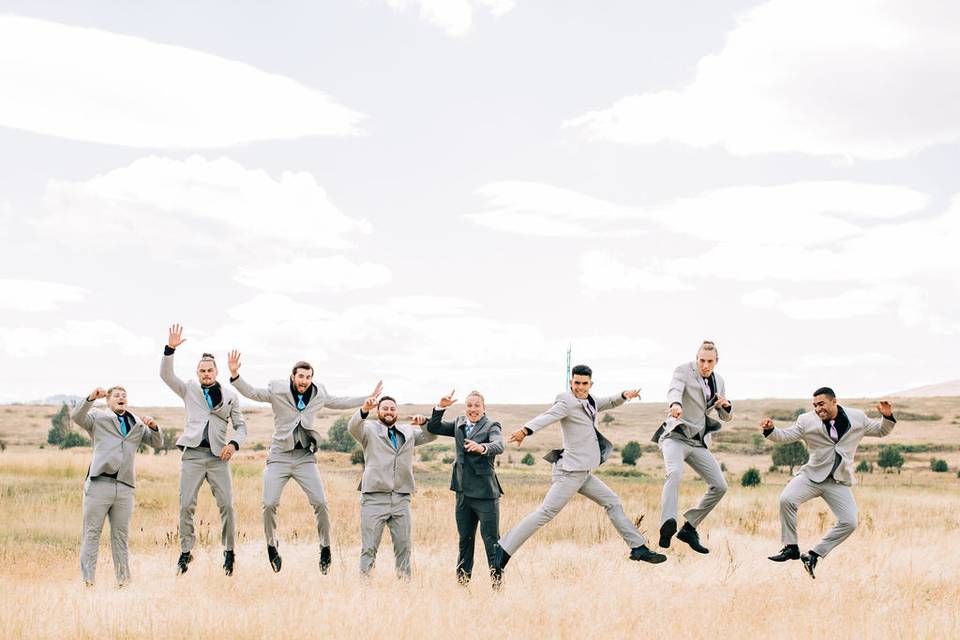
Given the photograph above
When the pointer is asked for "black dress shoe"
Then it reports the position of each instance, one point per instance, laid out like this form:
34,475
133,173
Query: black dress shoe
809,561
644,554
500,560
667,529
463,578
689,535
274,558
325,560
183,561
228,559
789,552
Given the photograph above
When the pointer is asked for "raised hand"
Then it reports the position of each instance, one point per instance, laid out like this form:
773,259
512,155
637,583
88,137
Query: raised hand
630,394
885,408
676,412
518,436
377,390
150,422
233,363
447,400
418,420
765,424
474,447
175,338
96,394
369,404
722,401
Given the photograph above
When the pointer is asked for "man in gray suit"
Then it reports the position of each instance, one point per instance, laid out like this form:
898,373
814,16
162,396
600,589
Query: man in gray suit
832,434
695,391
584,449
296,401
478,442
387,482
108,489
206,449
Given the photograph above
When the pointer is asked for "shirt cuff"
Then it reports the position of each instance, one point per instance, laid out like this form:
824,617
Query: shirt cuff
168,350
236,445
234,378
767,432
363,414
528,430
892,418
675,404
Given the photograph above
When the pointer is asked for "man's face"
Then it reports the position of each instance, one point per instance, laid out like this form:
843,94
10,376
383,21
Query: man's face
117,401
706,361
475,408
207,372
387,412
580,386
825,406
302,379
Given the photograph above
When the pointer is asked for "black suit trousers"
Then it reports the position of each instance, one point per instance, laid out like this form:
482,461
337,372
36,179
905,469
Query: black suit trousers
470,512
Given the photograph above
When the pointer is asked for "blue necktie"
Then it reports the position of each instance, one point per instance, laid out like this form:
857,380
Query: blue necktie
393,438
469,429
300,404
123,426
206,394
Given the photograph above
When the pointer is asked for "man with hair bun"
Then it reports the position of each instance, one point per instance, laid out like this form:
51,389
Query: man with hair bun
206,447
695,391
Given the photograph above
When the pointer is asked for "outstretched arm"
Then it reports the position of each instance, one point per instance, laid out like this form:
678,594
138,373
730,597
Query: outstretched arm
557,412
790,434
880,428
436,425
355,425
348,402
246,390
81,413
174,340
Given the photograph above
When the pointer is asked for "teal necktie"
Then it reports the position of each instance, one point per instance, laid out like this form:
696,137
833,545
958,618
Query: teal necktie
300,404
393,438
206,394
123,426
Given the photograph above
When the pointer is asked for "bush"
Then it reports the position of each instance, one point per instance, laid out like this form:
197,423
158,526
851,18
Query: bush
448,459
631,453
356,457
338,438
169,441
790,455
259,447
74,439
528,459
60,426
750,478
607,418
759,443
427,455
865,466
940,466
890,457
723,467
774,469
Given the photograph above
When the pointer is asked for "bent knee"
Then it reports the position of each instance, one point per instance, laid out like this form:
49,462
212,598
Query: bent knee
720,488
789,504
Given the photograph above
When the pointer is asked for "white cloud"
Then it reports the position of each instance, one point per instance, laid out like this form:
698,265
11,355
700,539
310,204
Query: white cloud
35,295
455,17
29,342
92,85
761,299
601,272
810,76
302,275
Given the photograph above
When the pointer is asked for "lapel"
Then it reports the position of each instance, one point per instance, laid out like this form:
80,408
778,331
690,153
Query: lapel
481,424
583,407
697,397
386,438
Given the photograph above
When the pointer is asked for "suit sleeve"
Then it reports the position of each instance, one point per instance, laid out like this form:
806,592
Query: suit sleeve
248,391
151,437
176,385
879,428
677,385
81,415
603,404
422,437
355,428
790,434
437,426
341,402
495,445
725,414
557,412
239,425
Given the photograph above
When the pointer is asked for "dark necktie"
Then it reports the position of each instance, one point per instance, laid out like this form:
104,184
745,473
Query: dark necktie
206,394
393,437
300,404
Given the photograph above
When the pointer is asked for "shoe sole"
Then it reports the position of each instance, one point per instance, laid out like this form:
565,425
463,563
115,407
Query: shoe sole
701,550
781,559
809,570
667,531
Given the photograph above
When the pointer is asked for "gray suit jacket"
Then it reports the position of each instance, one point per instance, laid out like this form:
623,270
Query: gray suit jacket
584,447
112,452
822,448
386,469
473,473
286,416
199,415
685,389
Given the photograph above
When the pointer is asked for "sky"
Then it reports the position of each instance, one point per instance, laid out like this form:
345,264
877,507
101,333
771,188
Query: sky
445,194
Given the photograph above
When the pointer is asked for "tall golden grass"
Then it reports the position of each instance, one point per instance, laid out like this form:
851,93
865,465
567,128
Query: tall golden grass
897,577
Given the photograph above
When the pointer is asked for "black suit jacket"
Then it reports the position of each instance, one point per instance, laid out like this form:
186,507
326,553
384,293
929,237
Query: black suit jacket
473,473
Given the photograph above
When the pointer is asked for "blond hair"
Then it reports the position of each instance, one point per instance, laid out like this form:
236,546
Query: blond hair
479,395
115,388
708,345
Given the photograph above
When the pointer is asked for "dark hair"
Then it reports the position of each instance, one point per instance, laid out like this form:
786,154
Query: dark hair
384,399
301,365
208,357
825,391
581,370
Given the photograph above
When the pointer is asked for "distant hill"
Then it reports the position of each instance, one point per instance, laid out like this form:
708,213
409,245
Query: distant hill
57,400
949,388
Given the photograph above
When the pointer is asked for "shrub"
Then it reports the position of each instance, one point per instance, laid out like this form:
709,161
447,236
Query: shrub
750,478
60,426
890,457
74,439
774,469
259,447
528,459
631,452
759,443
723,467
865,466
940,466
790,455
448,459
169,441
356,457
427,455
607,418
338,438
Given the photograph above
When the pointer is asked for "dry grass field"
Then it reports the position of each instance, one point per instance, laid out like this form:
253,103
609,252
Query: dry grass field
897,577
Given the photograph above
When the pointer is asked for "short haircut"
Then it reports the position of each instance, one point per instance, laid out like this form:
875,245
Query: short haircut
115,388
709,345
581,370
479,395
384,399
303,364
825,391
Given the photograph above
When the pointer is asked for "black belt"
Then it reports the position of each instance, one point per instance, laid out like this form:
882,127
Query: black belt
106,475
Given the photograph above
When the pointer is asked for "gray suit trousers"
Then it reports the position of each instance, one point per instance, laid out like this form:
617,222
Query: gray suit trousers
392,510
301,465
838,496
197,465
567,484
106,498
675,453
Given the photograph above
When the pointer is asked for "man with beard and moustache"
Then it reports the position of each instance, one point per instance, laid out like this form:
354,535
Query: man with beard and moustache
832,434
695,391
478,442
296,401
108,489
206,450
387,481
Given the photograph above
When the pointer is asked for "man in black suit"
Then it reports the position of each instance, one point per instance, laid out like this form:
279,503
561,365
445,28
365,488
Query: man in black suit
478,442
